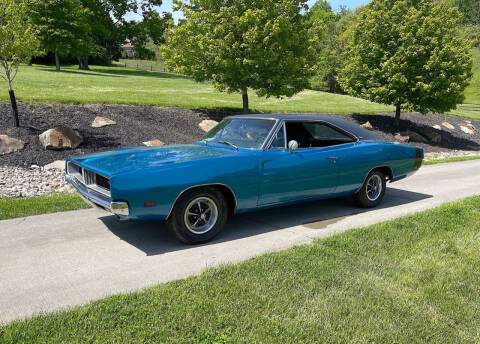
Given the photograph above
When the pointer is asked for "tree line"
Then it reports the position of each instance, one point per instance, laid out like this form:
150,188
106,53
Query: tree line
413,54
94,30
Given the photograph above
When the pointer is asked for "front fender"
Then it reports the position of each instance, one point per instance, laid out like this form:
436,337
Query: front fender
159,187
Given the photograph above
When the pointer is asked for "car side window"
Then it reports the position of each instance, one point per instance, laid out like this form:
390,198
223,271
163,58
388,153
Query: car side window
279,139
315,134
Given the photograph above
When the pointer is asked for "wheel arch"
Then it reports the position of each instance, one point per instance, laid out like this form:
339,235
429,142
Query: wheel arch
223,188
385,169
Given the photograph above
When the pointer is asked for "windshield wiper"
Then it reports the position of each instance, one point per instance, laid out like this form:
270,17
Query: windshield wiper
228,143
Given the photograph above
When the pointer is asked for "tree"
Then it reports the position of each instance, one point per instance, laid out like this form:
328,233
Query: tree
17,43
337,33
406,53
110,28
263,45
150,31
63,27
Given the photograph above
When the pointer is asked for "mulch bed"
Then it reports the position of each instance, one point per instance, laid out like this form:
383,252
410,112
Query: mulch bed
136,124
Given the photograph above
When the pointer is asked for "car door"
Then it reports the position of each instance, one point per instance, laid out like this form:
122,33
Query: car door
305,173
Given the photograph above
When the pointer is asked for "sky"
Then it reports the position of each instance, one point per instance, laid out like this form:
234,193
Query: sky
167,6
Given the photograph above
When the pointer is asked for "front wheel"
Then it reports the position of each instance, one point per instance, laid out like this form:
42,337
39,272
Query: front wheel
198,215
372,191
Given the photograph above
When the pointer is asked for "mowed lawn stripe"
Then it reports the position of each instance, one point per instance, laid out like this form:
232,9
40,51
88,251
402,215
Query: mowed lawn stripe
119,85
412,280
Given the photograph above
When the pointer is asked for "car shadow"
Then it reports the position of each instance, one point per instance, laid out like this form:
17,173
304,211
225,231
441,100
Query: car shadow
153,238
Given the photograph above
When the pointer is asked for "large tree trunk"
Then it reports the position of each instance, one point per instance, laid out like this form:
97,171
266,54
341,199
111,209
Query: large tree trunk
245,101
83,63
397,116
57,61
13,100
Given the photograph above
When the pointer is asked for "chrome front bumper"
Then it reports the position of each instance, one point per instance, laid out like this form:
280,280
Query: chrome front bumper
118,208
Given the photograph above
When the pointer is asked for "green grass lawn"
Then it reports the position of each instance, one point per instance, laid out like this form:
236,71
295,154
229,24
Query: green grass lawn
453,159
121,85
412,280
471,106
12,208
128,86
141,64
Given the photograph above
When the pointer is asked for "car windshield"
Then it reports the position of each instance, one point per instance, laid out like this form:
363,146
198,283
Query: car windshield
245,133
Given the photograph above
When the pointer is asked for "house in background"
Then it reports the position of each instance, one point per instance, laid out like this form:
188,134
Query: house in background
128,50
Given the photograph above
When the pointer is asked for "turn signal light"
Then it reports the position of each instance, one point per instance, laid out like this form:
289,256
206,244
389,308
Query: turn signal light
149,204
418,159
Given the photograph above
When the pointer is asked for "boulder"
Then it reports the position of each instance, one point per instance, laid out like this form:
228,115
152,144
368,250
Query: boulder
153,143
430,134
10,145
99,122
414,136
448,125
60,138
438,127
466,130
367,125
207,125
56,165
401,138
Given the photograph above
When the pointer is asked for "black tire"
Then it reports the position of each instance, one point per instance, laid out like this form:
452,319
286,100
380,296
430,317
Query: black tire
191,232
367,196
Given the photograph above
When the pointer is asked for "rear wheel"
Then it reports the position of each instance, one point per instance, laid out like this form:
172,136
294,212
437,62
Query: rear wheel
372,191
198,215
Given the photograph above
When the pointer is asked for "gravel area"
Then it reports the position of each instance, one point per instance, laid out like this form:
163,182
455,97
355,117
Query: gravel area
35,181
137,124
450,154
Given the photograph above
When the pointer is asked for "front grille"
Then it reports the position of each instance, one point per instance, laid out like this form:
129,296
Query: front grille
94,183
103,182
88,177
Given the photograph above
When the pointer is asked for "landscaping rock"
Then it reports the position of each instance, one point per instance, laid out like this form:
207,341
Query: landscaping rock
401,138
448,126
153,143
430,134
367,125
414,136
99,122
207,125
467,130
470,126
56,165
10,145
60,138
438,127
28,182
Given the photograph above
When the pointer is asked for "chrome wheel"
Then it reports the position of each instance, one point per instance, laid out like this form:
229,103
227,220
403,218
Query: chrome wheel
374,187
201,215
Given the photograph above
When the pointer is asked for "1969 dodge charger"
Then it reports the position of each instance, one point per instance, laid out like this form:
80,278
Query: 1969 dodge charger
245,163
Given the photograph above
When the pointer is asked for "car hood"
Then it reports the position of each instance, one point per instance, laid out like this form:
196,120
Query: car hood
118,161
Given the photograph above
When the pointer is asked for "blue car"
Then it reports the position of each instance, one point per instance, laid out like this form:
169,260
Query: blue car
245,163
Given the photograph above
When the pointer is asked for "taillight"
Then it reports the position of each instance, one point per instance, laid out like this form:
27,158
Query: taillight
418,158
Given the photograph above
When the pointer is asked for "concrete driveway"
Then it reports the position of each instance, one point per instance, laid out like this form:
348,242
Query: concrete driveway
53,261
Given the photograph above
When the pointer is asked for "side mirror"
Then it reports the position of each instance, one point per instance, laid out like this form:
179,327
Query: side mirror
292,146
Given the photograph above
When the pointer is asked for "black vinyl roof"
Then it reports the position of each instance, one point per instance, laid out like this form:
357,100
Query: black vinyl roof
349,126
